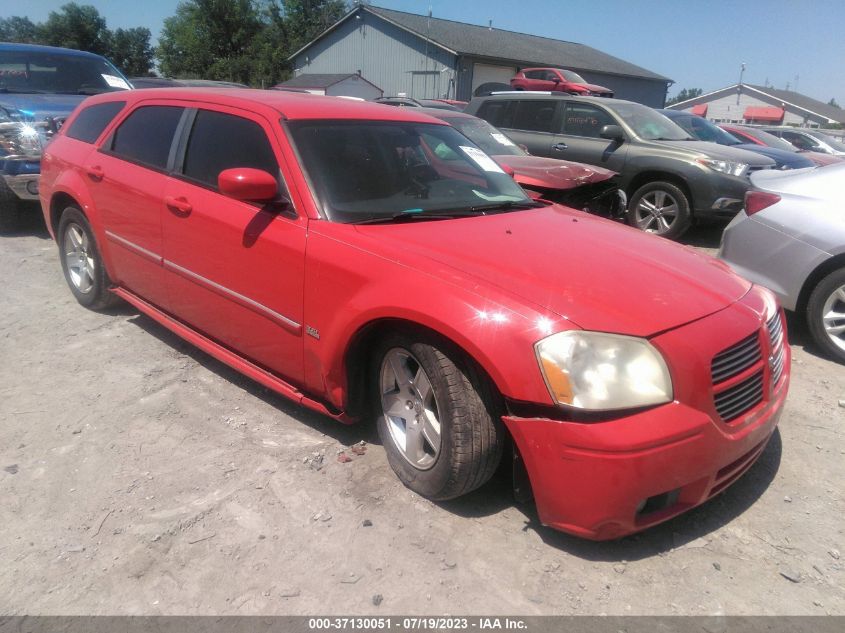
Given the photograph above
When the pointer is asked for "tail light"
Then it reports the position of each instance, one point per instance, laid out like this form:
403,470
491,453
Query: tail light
758,200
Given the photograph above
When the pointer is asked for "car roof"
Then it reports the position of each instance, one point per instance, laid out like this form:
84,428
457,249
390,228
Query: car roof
290,105
537,94
38,48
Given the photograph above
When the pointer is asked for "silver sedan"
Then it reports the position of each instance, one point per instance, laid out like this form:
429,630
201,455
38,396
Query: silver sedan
791,239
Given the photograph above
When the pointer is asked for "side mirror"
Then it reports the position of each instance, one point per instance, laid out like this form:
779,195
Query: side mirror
612,132
508,170
247,184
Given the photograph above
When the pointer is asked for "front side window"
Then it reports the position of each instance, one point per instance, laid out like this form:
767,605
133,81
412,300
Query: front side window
365,171
536,115
585,120
146,135
93,120
222,141
35,72
572,77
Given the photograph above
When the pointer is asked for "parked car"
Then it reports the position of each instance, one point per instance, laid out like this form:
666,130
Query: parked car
747,134
704,130
669,177
557,79
165,82
584,187
408,102
808,139
39,86
791,239
321,247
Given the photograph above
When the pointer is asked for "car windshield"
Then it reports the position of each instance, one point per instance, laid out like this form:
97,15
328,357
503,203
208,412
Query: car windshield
770,140
572,77
836,145
370,171
704,130
484,135
39,72
649,124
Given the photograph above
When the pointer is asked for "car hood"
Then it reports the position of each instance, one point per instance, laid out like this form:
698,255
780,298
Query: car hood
598,274
550,173
781,157
721,152
596,88
38,107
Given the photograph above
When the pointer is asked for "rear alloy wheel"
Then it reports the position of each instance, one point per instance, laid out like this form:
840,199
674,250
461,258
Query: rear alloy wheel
826,314
660,208
81,262
435,418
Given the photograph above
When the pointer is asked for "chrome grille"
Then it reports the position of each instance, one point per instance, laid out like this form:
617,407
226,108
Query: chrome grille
736,359
775,328
735,401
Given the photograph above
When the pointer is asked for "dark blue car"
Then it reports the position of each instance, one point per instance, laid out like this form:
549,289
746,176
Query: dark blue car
704,130
39,87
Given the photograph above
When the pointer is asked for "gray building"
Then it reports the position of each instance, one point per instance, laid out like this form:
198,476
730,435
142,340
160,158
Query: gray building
429,58
335,85
750,104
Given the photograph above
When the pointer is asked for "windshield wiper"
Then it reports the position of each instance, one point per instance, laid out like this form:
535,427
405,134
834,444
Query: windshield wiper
408,217
22,91
450,214
510,205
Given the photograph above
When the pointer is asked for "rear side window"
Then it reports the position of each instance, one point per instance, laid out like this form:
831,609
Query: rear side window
223,141
534,115
146,135
93,120
498,113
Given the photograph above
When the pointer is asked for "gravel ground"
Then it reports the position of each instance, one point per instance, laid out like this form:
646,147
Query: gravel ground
140,476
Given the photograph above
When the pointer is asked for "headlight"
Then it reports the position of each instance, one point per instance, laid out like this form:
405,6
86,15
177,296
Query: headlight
598,371
19,139
725,166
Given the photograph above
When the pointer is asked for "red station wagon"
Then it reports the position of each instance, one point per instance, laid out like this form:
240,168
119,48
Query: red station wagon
323,248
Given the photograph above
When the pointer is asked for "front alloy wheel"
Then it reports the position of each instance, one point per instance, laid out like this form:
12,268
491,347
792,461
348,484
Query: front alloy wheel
660,208
436,418
410,408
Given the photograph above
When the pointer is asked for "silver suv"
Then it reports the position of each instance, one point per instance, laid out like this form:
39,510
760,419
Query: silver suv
670,178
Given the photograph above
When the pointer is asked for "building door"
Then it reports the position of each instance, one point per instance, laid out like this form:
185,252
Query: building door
485,73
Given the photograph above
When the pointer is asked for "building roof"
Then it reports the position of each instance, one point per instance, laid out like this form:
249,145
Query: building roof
316,80
481,41
787,98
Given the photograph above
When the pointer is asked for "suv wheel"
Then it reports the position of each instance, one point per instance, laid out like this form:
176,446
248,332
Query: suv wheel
826,314
660,208
436,421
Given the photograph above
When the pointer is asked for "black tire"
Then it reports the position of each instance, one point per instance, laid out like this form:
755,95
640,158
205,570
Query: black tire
826,292
10,209
470,431
651,223
93,291
491,86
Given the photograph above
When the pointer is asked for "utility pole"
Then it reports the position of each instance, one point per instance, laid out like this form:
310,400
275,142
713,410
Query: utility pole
739,85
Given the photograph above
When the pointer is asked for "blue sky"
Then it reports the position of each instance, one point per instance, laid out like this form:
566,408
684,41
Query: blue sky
698,44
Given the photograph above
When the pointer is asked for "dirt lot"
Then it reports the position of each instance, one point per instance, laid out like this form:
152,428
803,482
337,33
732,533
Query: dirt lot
139,476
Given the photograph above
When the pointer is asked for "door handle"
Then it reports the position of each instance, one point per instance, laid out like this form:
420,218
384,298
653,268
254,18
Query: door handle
559,147
180,205
95,173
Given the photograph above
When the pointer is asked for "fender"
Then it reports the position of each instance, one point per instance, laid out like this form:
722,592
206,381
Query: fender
376,288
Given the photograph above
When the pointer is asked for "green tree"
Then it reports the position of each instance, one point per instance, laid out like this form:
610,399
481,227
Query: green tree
306,19
76,26
211,39
18,29
833,103
130,51
683,95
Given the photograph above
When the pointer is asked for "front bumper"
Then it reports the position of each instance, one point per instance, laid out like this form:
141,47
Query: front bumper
24,186
607,479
